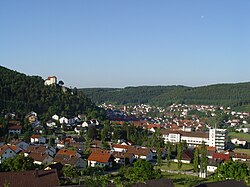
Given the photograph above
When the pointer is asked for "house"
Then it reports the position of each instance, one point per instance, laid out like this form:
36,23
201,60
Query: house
31,117
101,159
187,157
40,158
92,122
40,154
15,129
120,148
23,145
123,158
39,129
51,124
8,151
55,117
37,139
212,164
240,156
141,152
238,141
70,157
41,149
63,120
35,124
222,156
37,178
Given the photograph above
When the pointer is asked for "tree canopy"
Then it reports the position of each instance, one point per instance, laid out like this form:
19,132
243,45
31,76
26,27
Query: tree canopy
232,170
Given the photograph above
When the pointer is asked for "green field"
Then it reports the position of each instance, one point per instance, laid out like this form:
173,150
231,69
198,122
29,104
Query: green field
243,136
174,166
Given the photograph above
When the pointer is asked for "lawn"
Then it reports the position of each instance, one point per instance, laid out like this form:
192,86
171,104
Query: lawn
174,166
243,136
181,180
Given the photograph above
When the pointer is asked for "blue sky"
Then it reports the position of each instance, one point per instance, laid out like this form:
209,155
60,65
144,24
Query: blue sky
118,43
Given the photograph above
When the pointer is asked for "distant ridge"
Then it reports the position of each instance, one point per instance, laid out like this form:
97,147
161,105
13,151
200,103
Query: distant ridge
236,95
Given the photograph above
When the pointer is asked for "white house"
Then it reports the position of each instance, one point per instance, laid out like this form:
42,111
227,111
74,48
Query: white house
37,139
55,117
120,148
141,153
100,159
51,124
63,120
89,123
244,130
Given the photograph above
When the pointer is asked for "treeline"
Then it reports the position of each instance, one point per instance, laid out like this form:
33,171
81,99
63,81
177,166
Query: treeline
234,95
21,94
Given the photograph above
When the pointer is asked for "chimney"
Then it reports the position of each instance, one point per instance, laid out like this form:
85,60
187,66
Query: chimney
36,173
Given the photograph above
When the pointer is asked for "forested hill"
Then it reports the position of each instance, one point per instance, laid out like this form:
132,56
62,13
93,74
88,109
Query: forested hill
234,95
22,94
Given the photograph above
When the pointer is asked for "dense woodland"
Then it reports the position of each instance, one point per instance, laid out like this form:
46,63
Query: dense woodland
234,95
22,94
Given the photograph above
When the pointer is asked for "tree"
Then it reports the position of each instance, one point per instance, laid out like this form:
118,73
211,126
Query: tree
204,160
179,155
159,156
169,152
232,170
141,172
70,171
196,160
60,83
92,132
18,163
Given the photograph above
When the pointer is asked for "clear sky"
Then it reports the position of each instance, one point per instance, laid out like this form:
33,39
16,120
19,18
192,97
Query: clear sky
118,43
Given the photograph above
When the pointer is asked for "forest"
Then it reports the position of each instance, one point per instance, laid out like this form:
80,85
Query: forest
234,95
22,94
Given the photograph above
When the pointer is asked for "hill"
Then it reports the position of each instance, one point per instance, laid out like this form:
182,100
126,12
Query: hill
234,95
21,94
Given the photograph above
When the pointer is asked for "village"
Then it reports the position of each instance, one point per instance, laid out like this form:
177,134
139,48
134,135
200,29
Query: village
89,143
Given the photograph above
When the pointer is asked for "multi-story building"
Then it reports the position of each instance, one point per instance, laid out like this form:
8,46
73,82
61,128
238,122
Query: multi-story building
217,138
214,138
192,138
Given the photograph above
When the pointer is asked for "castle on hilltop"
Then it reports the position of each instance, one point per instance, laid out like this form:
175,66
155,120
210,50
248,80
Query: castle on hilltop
52,80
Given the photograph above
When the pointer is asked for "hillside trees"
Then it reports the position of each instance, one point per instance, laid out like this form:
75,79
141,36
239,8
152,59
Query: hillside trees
21,94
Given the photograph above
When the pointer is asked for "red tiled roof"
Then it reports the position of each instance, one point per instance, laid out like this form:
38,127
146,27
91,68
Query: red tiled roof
38,156
3,148
138,151
221,156
67,152
15,127
99,157
35,136
120,146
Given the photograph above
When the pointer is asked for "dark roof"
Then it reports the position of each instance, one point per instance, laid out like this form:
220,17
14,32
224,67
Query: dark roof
156,183
227,183
37,178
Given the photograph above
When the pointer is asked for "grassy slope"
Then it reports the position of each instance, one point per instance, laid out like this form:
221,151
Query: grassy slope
243,136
